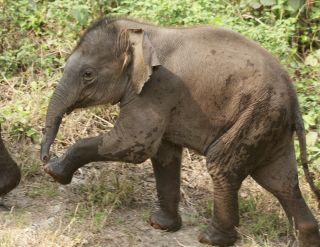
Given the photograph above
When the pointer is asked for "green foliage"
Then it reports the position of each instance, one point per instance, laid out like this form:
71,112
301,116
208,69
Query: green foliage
282,6
167,12
307,76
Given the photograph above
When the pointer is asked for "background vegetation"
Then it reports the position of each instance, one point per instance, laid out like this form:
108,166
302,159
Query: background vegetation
37,35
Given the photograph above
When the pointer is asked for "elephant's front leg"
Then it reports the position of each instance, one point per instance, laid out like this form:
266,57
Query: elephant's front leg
79,154
166,165
135,138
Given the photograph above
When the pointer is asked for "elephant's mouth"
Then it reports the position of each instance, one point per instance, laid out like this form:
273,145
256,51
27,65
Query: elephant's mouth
78,104
70,109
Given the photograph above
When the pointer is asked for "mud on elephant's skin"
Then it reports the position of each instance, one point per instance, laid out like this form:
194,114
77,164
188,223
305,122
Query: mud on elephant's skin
9,171
205,88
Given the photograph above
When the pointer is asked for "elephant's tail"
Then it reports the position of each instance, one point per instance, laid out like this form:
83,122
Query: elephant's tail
300,130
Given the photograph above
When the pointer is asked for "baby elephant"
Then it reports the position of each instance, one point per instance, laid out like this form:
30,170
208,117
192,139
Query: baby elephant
205,88
9,171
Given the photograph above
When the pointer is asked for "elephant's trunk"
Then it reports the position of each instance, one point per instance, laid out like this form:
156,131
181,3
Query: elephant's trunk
50,133
60,103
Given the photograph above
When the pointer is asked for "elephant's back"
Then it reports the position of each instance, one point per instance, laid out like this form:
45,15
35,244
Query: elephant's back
214,62
223,76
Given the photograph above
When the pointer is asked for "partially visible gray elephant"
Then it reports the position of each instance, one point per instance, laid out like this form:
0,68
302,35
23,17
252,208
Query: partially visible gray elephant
9,172
205,88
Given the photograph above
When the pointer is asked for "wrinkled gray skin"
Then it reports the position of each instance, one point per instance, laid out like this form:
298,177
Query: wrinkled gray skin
204,88
9,172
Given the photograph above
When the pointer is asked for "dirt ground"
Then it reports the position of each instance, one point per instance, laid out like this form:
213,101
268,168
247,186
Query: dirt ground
108,204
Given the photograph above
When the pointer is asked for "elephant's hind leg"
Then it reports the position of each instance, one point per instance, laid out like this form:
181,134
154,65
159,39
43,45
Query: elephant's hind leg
225,217
281,179
166,166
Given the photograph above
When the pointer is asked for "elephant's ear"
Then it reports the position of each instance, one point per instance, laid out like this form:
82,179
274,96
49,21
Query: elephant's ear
144,58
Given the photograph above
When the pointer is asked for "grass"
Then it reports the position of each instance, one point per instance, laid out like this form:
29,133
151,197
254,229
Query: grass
39,234
43,189
107,189
262,221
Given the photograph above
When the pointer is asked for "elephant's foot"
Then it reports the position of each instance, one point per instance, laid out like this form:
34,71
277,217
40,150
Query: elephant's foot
55,170
3,206
9,178
164,221
214,236
309,236
305,244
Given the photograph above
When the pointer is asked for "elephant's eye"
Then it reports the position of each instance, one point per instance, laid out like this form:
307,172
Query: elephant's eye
88,75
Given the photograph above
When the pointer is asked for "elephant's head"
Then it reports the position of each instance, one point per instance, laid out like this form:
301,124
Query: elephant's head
108,62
